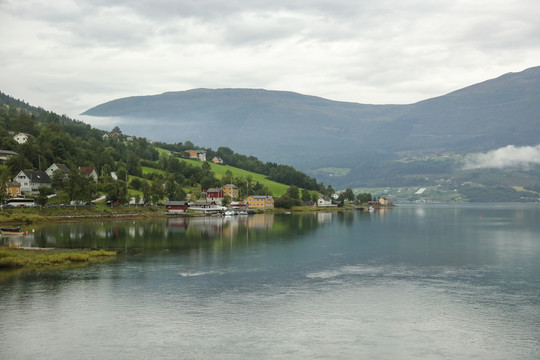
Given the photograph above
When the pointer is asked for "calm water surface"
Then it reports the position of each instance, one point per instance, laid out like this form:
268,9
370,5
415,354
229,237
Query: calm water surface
414,282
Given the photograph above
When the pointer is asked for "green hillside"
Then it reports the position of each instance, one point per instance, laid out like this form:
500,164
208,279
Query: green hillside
276,188
220,171
126,167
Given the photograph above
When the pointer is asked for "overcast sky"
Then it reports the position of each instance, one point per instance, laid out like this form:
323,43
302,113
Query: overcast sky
69,55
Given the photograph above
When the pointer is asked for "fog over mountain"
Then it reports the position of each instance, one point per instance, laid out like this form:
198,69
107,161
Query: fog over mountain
508,156
364,142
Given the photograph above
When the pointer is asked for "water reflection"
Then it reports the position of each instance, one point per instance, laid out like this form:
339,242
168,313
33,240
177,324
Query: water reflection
172,232
440,283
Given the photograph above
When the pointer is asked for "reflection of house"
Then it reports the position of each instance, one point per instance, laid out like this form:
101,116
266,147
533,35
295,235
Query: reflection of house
6,154
21,138
197,154
31,181
57,167
89,171
217,160
230,190
261,221
325,202
13,188
324,217
176,224
176,206
260,202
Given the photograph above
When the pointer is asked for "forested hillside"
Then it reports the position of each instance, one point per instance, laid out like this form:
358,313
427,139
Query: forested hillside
58,139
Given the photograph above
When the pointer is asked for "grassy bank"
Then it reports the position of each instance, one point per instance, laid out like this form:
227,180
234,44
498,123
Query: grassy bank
38,258
37,215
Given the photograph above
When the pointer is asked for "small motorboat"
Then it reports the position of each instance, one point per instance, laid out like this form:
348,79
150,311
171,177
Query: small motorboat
12,231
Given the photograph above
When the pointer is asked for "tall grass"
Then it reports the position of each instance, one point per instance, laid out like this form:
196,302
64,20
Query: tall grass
15,258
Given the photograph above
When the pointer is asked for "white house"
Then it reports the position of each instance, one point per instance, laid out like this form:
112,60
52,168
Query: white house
325,202
197,154
54,167
90,172
31,181
21,138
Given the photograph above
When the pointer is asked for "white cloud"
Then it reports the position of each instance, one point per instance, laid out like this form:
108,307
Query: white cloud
508,156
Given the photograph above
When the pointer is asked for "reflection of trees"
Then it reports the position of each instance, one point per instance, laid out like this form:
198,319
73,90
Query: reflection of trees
177,233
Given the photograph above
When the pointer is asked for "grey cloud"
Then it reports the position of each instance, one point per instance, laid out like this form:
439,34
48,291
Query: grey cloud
212,9
387,51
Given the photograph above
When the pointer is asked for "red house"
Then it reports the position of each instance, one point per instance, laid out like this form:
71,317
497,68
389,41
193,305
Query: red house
176,206
214,194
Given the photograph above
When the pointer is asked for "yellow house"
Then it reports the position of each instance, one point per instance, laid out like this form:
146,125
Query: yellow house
260,202
230,190
13,188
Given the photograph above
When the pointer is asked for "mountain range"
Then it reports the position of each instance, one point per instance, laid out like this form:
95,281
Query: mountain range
344,143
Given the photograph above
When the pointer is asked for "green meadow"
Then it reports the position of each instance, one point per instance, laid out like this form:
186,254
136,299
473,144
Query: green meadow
277,189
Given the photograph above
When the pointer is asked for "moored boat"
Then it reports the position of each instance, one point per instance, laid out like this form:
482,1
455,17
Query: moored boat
12,231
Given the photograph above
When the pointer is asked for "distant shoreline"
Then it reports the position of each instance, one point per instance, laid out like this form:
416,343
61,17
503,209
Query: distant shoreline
82,213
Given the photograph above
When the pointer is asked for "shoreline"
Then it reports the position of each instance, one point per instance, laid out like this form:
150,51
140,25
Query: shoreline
36,216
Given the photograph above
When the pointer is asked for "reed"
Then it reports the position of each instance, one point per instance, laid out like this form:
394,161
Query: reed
15,258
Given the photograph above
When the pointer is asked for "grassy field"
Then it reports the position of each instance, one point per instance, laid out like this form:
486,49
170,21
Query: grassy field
277,189
148,170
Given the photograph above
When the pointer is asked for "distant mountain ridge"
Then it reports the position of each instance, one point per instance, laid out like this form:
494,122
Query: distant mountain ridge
311,133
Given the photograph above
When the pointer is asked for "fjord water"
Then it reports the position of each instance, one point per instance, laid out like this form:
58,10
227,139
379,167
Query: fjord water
413,282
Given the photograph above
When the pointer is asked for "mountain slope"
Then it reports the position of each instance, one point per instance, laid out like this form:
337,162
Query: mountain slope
313,133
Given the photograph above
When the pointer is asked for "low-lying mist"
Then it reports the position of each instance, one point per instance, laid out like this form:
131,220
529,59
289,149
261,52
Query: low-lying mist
509,156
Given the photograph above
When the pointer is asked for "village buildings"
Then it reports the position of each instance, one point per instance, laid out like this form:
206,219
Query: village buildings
197,154
21,138
176,206
13,188
5,155
57,167
90,172
325,202
260,202
217,160
230,190
214,194
31,181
